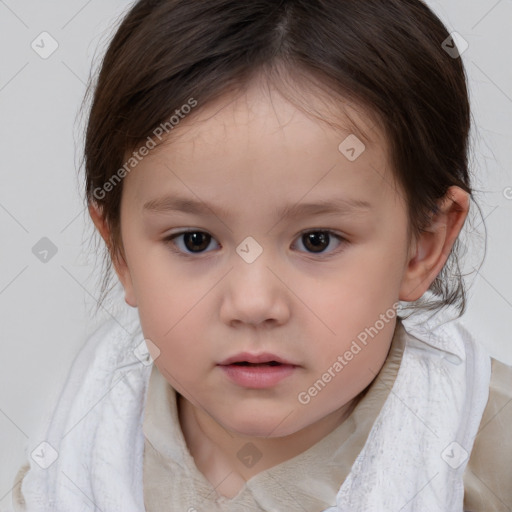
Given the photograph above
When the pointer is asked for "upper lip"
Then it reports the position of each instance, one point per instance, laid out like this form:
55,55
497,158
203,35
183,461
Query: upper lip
264,357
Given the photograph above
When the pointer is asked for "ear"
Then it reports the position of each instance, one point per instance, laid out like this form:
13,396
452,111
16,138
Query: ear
431,250
120,266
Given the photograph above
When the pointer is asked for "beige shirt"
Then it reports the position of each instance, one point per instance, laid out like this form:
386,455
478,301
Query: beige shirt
311,480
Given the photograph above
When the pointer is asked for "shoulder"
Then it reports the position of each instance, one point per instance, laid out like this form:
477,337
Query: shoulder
487,479
17,496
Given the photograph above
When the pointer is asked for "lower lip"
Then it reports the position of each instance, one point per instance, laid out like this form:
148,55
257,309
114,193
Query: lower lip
257,377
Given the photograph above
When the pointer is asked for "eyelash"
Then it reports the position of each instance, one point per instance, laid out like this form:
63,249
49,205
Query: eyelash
169,241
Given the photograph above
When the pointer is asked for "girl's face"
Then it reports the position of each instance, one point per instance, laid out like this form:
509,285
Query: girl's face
265,271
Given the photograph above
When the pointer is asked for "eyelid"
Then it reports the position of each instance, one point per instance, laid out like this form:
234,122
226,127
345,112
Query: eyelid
341,238
169,240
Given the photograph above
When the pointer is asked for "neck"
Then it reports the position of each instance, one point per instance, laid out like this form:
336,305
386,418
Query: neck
216,450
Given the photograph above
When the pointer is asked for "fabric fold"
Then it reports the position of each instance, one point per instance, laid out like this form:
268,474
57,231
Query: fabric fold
413,460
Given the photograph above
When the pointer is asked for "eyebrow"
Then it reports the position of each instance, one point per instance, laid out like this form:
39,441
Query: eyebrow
339,206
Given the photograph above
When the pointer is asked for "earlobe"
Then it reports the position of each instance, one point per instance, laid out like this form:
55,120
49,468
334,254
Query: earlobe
432,248
120,266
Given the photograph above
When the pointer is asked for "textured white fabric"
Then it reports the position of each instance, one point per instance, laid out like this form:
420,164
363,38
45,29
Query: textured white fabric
97,427
416,453
409,462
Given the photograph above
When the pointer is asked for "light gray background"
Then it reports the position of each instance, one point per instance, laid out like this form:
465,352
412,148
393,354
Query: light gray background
46,308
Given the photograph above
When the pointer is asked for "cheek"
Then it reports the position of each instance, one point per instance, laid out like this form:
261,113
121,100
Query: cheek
351,311
355,291
172,319
353,364
180,338
170,309
160,288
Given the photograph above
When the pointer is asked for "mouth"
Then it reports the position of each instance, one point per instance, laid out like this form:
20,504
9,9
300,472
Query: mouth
249,375
255,360
246,363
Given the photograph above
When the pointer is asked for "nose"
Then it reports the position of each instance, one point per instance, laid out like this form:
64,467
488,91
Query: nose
255,293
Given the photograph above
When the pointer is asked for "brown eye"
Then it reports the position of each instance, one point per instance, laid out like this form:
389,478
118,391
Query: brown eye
316,241
196,241
192,242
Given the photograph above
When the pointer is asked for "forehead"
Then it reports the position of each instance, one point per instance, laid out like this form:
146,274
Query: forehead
261,145
262,109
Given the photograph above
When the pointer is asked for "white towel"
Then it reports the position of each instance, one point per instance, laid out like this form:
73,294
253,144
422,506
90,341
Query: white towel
419,446
413,460
97,428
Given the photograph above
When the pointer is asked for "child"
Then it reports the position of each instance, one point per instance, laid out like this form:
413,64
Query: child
318,151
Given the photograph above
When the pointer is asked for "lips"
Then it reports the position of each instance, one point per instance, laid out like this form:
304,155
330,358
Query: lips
263,359
257,371
270,363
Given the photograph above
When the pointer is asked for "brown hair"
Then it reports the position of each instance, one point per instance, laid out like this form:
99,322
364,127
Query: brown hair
385,55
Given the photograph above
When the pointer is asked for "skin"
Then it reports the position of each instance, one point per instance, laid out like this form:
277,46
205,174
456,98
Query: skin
251,156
